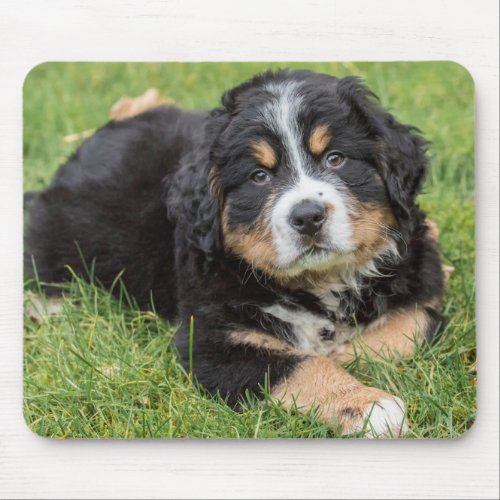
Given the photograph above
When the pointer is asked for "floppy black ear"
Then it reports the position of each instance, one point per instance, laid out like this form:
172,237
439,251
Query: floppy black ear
403,162
192,196
402,152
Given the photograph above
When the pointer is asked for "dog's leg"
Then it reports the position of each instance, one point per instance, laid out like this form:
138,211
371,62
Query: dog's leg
433,232
395,334
127,106
341,399
40,308
392,335
302,380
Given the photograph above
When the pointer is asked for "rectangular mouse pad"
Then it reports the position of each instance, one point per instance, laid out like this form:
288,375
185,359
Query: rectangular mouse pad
249,250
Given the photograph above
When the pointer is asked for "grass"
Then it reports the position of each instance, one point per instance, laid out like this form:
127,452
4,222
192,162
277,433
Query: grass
102,368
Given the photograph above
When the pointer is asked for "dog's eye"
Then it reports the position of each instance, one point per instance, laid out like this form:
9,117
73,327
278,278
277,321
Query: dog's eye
260,177
335,159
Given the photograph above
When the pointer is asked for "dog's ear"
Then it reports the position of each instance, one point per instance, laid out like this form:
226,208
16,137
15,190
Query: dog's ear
403,163
193,198
401,156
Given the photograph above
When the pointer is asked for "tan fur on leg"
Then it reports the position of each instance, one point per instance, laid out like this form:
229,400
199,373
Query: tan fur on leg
260,340
434,234
395,333
40,308
432,229
127,106
341,399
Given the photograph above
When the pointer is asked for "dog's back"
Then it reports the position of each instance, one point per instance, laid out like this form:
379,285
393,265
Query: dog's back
104,212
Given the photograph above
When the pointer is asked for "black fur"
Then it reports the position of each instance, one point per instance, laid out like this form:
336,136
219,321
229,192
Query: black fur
144,196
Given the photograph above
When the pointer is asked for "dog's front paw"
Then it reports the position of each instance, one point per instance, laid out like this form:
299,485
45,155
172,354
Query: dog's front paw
385,418
341,400
372,412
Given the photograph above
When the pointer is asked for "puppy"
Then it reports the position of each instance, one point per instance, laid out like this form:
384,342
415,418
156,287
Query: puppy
283,222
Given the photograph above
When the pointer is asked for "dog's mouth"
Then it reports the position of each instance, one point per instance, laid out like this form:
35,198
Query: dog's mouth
317,256
315,251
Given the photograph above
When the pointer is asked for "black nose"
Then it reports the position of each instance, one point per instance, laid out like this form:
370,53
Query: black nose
307,217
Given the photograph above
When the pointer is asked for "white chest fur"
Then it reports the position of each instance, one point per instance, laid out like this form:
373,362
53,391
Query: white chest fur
312,332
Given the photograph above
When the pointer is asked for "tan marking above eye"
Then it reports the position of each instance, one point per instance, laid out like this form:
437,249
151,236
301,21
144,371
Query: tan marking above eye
319,139
264,153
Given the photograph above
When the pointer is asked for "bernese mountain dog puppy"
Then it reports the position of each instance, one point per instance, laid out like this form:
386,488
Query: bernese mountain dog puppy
283,224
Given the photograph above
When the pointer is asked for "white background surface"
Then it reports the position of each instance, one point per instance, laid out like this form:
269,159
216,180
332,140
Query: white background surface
121,30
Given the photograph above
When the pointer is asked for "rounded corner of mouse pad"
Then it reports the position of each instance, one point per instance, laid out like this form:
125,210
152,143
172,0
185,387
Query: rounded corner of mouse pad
249,250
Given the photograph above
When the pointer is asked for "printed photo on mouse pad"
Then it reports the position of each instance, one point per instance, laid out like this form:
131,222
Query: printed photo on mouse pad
249,250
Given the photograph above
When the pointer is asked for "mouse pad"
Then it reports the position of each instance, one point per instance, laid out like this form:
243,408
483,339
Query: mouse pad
249,250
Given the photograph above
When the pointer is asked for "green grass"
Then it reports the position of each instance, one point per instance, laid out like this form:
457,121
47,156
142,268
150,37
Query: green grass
103,368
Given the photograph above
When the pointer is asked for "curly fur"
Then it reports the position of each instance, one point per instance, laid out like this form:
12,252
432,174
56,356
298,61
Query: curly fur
146,196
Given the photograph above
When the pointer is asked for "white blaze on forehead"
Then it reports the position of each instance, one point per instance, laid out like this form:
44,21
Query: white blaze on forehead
281,114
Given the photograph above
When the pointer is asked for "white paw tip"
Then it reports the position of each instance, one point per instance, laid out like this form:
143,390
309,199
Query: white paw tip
386,419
